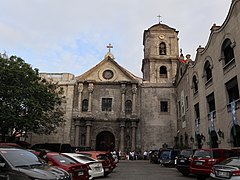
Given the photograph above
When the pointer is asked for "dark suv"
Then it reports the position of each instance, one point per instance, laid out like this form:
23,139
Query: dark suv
184,160
20,164
168,157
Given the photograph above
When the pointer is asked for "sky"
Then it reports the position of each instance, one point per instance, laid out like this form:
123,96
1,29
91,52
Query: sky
70,36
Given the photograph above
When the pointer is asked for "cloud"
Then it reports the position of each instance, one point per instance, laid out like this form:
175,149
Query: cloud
71,36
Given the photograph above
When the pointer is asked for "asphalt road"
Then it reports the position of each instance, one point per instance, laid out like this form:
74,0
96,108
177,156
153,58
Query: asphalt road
144,170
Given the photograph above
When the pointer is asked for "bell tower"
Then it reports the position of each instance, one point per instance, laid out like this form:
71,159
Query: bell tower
160,54
158,95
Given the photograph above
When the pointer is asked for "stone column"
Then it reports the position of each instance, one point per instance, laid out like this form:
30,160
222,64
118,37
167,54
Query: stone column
122,129
123,92
77,132
80,90
134,91
90,89
133,126
88,132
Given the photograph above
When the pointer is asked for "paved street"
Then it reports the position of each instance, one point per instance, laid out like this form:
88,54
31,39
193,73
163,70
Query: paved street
143,170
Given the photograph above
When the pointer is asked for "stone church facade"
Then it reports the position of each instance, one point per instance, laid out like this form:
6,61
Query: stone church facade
108,107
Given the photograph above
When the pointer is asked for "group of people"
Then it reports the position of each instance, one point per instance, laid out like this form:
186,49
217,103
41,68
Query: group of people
132,155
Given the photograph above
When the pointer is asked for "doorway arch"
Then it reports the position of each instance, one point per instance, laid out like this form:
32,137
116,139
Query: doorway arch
105,141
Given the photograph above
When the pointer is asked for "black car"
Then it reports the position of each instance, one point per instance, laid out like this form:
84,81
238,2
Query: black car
168,157
183,161
20,164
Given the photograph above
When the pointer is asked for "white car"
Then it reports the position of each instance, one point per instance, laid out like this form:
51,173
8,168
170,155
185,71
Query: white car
95,167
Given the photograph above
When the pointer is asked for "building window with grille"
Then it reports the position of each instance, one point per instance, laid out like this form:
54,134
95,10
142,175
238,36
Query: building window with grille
208,71
162,48
128,106
164,106
211,102
163,72
232,89
195,84
197,112
106,104
227,49
85,105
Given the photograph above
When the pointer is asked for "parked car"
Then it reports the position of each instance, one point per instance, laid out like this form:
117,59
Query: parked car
183,161
76,169
54,147
20,164
227,169
95,167
102,157
204,159
5,144
168,157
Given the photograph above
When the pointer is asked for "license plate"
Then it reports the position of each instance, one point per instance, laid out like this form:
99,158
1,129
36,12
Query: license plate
106,169
199,163
80,173
222,174
97,168
182,160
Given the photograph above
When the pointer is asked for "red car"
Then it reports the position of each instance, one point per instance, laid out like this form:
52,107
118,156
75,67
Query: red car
102,157
77,170
204,159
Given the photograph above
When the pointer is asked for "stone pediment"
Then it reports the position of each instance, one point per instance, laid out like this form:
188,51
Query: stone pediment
108,70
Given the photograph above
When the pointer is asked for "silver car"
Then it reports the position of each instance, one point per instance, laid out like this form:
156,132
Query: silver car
227,169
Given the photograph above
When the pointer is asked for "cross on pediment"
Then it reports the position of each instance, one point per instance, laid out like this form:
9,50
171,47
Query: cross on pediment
159,17
109,47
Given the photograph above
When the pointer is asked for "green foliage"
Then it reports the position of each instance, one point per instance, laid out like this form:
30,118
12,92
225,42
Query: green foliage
27,102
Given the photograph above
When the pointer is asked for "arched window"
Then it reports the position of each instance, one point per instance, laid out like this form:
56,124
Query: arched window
195,84
227,51
162,48
128,106
85,105
208,70
163,72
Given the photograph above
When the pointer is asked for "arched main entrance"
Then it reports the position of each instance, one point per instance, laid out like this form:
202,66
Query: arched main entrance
105,141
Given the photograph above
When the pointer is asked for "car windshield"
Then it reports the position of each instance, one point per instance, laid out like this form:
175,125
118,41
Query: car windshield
64,160
165,154
231,162
85,158
202,154
186,153
102,157
20,157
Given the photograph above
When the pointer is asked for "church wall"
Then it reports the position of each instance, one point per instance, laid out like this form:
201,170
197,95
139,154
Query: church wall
62,133
157,127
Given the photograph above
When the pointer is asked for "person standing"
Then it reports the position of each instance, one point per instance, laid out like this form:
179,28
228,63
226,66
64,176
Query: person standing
145,154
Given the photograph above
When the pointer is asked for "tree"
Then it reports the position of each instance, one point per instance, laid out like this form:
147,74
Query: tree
27,102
